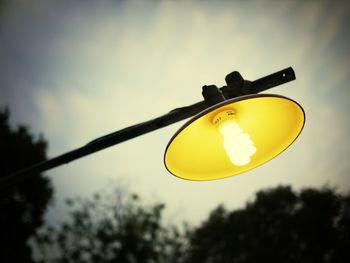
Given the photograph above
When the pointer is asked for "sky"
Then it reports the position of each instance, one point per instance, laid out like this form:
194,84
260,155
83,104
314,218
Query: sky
77,70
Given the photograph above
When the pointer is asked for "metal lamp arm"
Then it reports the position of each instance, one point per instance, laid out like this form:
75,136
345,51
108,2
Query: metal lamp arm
229,91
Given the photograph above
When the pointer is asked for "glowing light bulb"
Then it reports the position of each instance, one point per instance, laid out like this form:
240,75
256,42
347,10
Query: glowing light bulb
238,145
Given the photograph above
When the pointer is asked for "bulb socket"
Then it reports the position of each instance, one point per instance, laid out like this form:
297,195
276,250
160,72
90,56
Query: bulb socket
223,117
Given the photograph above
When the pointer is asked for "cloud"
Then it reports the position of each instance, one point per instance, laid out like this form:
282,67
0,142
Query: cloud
78,70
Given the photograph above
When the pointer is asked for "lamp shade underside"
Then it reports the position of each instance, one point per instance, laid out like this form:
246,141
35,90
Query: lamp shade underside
196,151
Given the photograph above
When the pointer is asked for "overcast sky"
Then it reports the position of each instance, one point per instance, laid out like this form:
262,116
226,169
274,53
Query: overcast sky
76,70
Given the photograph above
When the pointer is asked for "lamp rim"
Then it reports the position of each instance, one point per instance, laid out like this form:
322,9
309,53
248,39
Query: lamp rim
218,105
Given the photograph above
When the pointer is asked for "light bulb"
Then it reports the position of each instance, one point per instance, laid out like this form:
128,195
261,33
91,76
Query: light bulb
238,145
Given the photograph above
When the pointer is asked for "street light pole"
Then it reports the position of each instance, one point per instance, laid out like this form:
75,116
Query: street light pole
236,86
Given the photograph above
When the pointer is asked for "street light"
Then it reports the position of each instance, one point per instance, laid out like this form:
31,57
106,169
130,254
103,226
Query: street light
233,109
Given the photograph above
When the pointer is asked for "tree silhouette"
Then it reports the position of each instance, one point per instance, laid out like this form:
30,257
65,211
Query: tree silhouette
279,226
116,228
22,206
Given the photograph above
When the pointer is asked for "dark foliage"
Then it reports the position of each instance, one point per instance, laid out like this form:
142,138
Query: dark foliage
115,228
279,226
22,206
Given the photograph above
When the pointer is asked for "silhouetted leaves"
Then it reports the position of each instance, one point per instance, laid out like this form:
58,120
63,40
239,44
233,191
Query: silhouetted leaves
23,206
113,228
279,226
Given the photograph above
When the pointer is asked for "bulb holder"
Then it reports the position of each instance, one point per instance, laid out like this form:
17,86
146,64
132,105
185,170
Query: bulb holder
223,117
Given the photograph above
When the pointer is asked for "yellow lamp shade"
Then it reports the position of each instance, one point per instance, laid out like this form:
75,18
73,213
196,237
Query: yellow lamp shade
264,124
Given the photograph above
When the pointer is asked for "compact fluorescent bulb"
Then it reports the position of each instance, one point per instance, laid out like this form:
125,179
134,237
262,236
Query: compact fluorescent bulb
238,145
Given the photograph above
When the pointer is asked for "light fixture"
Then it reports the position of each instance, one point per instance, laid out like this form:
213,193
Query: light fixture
230,134
234,136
